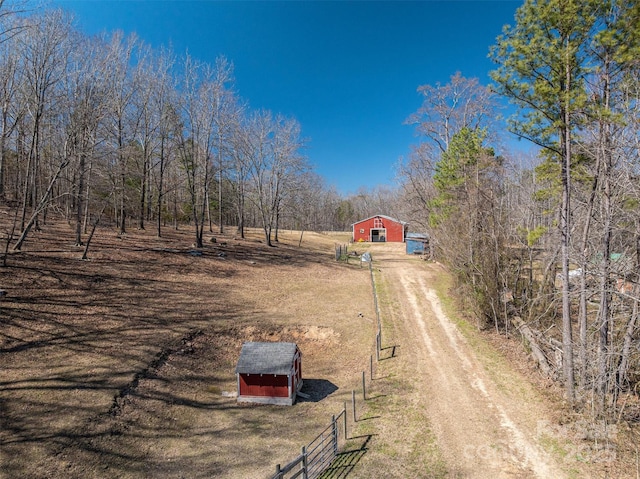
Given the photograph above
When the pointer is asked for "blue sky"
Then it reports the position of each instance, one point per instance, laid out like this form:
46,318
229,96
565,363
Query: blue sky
346,70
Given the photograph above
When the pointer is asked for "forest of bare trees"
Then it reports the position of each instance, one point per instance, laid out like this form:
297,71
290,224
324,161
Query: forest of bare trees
546,246
107,129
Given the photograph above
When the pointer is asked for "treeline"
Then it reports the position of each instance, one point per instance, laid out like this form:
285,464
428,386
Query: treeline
548,246
107,129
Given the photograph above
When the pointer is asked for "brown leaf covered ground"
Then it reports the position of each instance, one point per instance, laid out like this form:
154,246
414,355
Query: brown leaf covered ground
119,366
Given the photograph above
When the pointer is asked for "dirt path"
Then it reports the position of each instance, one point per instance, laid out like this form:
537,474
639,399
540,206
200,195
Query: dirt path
485,420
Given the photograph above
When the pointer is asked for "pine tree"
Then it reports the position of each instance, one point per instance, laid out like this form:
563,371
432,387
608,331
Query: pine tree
542,69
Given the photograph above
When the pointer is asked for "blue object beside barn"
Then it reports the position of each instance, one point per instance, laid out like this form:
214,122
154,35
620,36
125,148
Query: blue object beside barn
417,243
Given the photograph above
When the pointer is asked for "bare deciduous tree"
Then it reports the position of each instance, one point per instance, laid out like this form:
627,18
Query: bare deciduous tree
44,55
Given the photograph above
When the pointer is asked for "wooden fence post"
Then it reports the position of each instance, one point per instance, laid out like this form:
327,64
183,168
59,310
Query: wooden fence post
353,404
364,388
305,472
371,365
335,435
345,419
278,473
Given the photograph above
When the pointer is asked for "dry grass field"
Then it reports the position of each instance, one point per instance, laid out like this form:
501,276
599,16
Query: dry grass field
119,366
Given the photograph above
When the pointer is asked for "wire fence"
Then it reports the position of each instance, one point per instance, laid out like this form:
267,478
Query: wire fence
317,456
342,252
377,308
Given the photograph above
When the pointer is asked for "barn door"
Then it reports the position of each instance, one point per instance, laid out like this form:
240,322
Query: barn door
378,235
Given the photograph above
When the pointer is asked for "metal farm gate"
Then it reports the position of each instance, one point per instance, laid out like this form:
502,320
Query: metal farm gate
318,455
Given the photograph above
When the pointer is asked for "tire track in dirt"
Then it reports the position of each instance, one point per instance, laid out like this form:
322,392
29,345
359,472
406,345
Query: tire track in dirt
481,430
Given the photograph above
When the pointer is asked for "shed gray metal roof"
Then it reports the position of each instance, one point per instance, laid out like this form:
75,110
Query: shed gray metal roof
417,236
266,358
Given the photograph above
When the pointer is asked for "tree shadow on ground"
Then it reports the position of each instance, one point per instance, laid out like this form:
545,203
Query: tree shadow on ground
316,390
346,461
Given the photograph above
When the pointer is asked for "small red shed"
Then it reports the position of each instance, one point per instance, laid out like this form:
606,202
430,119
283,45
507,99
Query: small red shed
269,373
380,228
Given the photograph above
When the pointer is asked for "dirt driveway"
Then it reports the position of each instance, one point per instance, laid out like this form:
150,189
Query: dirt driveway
463,407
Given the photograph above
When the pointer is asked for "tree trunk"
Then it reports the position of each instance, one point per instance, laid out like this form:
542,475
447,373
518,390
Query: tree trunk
3,137
582,318
207,206
93,230
160,188
79,199
143,188
536,351
25,192
623,366
123,178
39,208
565,229
240,200
10,238
605,314
267,234
85,218
277,221
220,225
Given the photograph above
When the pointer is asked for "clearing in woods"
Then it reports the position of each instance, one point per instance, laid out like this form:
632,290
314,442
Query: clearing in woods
122,366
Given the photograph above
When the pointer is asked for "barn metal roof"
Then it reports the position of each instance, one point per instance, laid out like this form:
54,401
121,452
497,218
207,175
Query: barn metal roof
381,216
266,358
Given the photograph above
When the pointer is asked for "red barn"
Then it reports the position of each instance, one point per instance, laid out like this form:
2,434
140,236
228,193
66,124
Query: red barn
269,373
380,229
